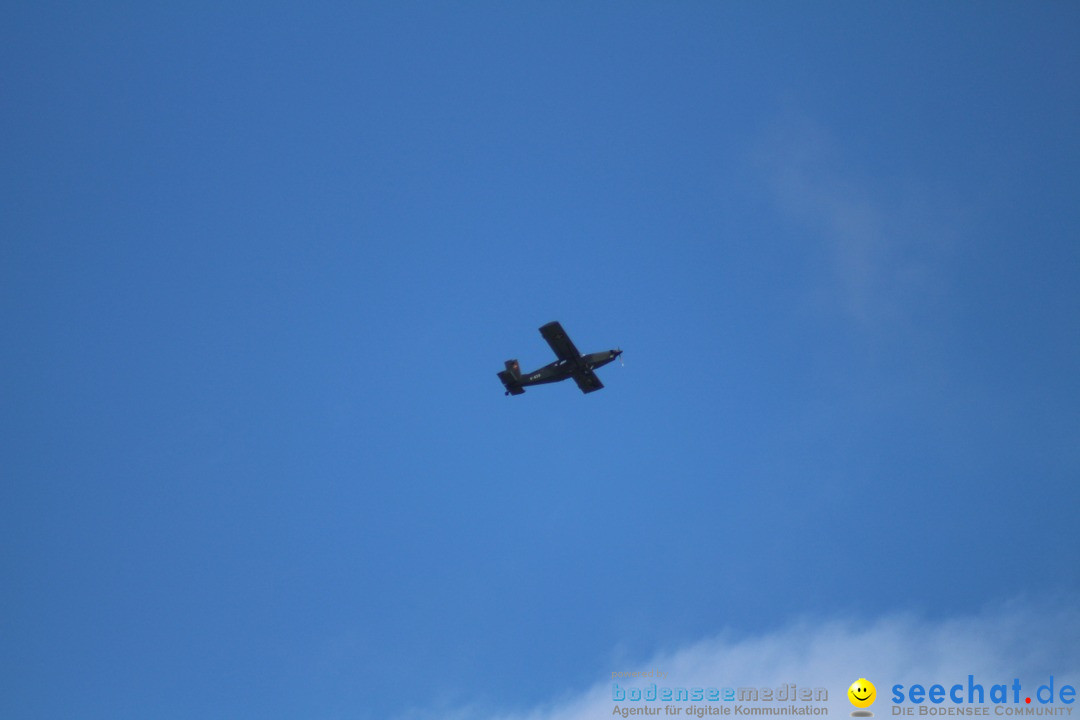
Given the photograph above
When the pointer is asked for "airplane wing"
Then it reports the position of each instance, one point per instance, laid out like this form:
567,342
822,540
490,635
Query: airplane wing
558,340
587,381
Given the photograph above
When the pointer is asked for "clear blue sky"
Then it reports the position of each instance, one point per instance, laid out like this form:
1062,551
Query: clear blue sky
259,265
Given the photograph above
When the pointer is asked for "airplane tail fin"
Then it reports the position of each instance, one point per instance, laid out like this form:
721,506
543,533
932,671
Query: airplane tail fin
511,377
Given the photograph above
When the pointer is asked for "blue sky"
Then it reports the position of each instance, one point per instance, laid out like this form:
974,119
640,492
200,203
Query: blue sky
259,265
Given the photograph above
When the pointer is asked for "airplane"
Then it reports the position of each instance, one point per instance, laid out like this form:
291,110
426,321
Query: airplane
571,364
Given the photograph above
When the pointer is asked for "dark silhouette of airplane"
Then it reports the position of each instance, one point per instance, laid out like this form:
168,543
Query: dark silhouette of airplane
571,364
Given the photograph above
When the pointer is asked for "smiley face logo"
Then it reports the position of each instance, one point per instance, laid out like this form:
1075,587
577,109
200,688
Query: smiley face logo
862,693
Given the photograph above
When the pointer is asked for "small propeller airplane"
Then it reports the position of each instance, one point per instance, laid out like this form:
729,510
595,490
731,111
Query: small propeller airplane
571,364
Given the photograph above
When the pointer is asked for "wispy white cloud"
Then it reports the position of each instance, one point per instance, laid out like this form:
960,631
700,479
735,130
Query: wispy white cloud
1026,640
885,238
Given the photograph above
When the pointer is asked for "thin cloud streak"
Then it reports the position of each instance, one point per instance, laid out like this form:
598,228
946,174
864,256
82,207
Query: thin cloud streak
885,241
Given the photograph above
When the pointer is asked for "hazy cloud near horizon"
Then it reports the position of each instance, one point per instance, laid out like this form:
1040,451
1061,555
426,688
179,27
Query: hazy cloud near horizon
1025,640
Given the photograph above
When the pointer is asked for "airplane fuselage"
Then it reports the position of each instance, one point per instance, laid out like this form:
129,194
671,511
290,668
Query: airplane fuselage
562,369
